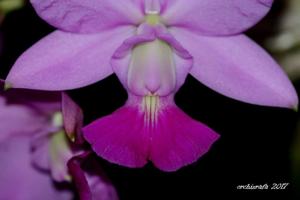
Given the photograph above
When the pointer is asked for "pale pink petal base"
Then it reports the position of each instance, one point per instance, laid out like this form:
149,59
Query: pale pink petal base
149,72
123,138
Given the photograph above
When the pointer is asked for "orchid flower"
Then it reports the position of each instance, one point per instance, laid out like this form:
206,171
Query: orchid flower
26,125
152,45
34,149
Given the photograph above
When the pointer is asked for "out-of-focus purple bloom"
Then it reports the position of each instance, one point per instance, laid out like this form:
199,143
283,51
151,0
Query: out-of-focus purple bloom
89,179
35,149
27,128
152,45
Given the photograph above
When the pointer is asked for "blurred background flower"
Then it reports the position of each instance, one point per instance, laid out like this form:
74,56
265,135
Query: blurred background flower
29,125
35,149
285,43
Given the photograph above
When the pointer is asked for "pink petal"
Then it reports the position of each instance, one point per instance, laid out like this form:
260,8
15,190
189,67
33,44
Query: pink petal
80,181
183,59
27,113
175,141
40,150
19,180
120,138
179,140
18,120
89,16
73,118
237,67
89,179
215,17
65,61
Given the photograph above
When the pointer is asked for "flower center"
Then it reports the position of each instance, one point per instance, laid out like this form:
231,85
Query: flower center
152,19
152,11
152,69
150,107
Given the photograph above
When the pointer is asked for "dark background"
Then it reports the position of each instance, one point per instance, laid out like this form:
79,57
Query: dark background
255,141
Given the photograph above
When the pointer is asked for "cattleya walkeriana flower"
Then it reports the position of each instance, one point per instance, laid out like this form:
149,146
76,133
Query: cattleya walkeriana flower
36,154
152,45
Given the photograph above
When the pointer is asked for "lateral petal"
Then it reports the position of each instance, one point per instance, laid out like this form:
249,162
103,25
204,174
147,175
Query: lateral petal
64,61
238,68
